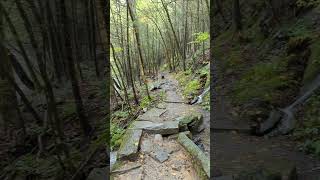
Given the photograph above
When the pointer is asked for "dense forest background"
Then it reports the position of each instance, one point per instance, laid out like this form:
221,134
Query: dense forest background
53,88
149,38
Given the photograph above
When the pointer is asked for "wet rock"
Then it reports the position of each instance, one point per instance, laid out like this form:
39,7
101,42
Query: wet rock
202,161
130,144
99,174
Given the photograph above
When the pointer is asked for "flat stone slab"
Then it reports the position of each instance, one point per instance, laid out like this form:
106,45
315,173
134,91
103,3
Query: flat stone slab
164,128
130,145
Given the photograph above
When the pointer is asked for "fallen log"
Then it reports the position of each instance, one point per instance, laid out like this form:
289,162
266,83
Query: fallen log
198,99
286,122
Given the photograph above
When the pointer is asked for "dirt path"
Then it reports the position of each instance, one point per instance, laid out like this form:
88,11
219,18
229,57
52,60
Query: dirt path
162,157
235,150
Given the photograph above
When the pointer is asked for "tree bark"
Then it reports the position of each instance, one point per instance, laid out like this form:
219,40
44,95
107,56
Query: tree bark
72,73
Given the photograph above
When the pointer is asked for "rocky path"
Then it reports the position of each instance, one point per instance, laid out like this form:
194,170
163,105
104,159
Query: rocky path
157,146
236,151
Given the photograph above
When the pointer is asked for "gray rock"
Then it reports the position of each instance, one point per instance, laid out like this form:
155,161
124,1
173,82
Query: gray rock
177,165
158,138
165,128
190,122
130,145
99,174
161,155
146,146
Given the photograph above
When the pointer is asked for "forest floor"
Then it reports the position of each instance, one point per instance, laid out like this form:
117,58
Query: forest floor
236,150
177,163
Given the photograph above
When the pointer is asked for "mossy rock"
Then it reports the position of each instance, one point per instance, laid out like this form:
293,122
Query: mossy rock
190,122
200,160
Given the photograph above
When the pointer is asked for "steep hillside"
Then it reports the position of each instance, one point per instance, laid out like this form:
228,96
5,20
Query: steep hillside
271,61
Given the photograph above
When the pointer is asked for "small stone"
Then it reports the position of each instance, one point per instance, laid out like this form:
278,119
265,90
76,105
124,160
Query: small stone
158,138
161,155
177,165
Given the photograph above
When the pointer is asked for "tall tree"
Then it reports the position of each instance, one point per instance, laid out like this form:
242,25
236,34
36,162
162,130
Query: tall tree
72,73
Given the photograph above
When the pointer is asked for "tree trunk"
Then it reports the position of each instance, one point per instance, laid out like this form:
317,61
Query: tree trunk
237,15
72,73
136,31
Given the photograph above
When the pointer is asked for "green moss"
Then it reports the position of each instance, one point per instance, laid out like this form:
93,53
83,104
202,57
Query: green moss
192,88
262,81
145,102
116,136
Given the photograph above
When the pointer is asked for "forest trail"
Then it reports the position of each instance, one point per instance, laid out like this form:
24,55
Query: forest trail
163,157
236,150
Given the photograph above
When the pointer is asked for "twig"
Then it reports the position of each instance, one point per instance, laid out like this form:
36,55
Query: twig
126,170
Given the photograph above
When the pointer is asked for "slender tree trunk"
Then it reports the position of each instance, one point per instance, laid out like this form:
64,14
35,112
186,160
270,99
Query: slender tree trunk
237,15
136,31
129,61
72,73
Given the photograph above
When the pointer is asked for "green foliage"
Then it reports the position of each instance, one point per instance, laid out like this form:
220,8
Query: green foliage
262,81
120,114
145,102
191,88
116,136
307,3
201,37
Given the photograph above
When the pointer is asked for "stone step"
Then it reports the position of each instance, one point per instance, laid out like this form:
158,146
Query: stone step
163,128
